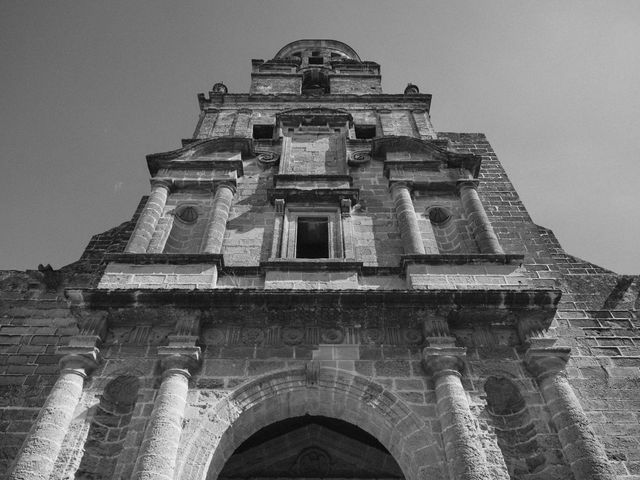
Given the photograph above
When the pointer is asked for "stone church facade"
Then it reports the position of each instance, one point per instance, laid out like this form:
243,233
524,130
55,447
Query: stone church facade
321,285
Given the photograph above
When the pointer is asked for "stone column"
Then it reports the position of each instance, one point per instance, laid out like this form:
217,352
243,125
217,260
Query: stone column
149,218
466,457
38,454
482,230
218,223
583,450
407,221
159,449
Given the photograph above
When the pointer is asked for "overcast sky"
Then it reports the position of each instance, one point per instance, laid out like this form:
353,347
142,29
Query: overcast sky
90,87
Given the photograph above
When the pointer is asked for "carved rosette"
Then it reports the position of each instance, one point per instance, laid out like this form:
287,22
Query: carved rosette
359,157
292,336
332,335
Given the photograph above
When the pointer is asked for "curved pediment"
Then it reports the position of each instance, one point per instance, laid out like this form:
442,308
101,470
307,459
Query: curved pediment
201,148
405,149
299,46
396,144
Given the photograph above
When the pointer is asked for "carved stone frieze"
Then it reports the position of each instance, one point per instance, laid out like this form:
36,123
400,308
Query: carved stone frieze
311,335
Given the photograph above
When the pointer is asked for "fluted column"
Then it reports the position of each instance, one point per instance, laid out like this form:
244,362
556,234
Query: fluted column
583,450
464,452
482,230
218,224
149,218
38,454
407,221
157,456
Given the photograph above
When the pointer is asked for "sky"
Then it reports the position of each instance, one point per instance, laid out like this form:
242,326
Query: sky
89,88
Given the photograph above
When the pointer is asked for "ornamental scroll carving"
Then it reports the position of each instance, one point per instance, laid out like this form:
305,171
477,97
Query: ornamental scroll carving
268,158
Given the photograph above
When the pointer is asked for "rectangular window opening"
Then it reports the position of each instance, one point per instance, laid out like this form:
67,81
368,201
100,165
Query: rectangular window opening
312,239
316,60
263,132
365,131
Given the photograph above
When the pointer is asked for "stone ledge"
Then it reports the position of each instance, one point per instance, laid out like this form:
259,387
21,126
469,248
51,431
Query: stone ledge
311,264
529,299
166,258
316,195
461,258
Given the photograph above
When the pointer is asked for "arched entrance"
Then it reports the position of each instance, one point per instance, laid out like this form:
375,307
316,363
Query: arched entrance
339,396
311,446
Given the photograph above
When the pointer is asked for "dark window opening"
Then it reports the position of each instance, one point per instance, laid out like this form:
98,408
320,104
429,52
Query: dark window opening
316,60
316,53
312,240
365,131
261,132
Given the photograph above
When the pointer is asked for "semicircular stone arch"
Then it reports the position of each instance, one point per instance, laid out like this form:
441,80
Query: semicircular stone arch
332,393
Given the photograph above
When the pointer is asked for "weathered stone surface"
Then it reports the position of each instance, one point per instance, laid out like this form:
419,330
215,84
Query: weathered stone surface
267,338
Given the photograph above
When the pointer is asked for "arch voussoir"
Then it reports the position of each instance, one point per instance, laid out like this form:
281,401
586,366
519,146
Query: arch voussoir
285,394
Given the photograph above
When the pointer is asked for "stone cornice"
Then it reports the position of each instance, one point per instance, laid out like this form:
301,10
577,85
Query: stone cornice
545,299
430,155
189,155
461,259
292,194
165,258
235,100
307,264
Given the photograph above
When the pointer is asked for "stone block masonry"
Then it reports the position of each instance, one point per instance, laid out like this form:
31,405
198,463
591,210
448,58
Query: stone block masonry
320,282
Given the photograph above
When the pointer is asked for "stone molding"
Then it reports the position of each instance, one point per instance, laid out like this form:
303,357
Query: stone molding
445,360
544,362
79,360
179,359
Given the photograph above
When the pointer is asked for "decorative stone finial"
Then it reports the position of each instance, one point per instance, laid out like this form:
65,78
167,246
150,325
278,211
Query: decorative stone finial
219,89
411,89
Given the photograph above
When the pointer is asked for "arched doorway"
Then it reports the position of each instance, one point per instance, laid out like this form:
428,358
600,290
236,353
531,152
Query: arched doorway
311,446
412,440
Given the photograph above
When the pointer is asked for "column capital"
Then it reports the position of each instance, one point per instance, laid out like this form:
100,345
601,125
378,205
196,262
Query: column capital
79,360
445,360
228,185
394,184
467,183
180,359
545,362
161,182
